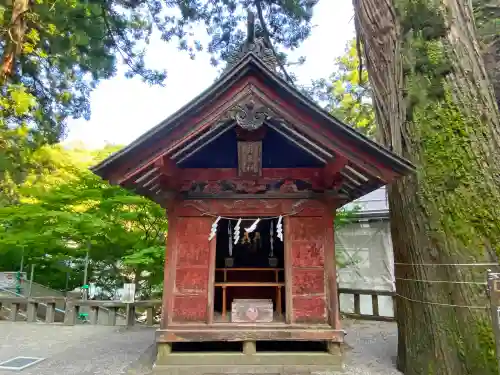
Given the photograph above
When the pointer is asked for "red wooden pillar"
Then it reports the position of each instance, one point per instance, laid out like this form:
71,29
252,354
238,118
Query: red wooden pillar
331,267
169,267
288,272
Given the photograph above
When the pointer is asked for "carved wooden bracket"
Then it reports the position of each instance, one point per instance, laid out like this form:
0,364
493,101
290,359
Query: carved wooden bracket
249,114
247,110
167,166
331,173
169,173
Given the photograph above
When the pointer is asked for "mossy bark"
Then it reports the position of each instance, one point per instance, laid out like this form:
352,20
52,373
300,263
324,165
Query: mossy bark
487,16
435,106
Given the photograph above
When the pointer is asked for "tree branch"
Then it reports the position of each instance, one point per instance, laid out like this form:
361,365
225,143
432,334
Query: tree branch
268,40
120,51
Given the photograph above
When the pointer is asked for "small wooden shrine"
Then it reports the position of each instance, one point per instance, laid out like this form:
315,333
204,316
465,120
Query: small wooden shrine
251,173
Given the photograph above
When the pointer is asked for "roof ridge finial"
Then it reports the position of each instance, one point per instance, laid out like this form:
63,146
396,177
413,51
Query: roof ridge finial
255,44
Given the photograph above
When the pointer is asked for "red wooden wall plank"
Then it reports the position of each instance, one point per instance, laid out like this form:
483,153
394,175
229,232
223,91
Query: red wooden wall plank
307,241
190,294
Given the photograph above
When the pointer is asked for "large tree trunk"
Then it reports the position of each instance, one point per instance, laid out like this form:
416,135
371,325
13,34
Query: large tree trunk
434,105
487,15
14,38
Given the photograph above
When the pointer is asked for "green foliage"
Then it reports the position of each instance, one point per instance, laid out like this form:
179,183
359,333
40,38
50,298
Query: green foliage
56,52
288,24
63,210
69,46
347,94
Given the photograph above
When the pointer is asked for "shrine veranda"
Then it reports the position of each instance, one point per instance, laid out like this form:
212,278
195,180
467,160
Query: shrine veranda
250,174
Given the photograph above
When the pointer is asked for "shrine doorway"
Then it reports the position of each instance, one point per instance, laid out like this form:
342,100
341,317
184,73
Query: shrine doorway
250,271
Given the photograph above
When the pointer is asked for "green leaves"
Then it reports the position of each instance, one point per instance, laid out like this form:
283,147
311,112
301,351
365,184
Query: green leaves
63,208
347,94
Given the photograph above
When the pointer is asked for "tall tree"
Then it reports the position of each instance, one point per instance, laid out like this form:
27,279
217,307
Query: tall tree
346,94
435,105
53,54
60,50
487,16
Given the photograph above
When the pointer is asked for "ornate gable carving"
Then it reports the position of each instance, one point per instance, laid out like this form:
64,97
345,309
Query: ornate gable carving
249,114
259,49
247,110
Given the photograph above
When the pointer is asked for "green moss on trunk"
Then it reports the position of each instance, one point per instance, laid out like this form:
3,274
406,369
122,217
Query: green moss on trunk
450,211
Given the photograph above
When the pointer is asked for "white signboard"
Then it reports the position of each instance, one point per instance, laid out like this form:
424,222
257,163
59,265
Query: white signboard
8,279
128,294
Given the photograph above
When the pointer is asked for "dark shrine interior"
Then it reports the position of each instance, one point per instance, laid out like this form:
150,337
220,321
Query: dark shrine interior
277,152
251,262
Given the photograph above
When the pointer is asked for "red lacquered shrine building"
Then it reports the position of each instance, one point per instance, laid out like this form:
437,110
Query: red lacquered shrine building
251,173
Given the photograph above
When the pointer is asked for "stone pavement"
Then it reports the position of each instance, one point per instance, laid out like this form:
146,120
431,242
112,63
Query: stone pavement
77,350
101,350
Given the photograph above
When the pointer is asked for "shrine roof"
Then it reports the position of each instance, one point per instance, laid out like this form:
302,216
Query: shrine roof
252,80
250,64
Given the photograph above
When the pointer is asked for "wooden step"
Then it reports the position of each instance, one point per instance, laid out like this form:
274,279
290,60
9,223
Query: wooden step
248,370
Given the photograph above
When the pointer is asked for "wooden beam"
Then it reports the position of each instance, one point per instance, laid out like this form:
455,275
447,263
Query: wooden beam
315,145
238,332
357,174
170,174
332,170
167,167
204,174
146,175
153,180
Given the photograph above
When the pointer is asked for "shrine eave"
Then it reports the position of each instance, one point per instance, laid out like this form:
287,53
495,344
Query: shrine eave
150,163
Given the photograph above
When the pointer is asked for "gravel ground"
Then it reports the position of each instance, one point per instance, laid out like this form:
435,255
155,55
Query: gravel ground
85,350
76,350
373,348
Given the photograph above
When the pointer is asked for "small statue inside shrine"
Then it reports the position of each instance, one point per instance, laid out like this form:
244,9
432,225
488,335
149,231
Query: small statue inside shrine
249,251
245,239
257,242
